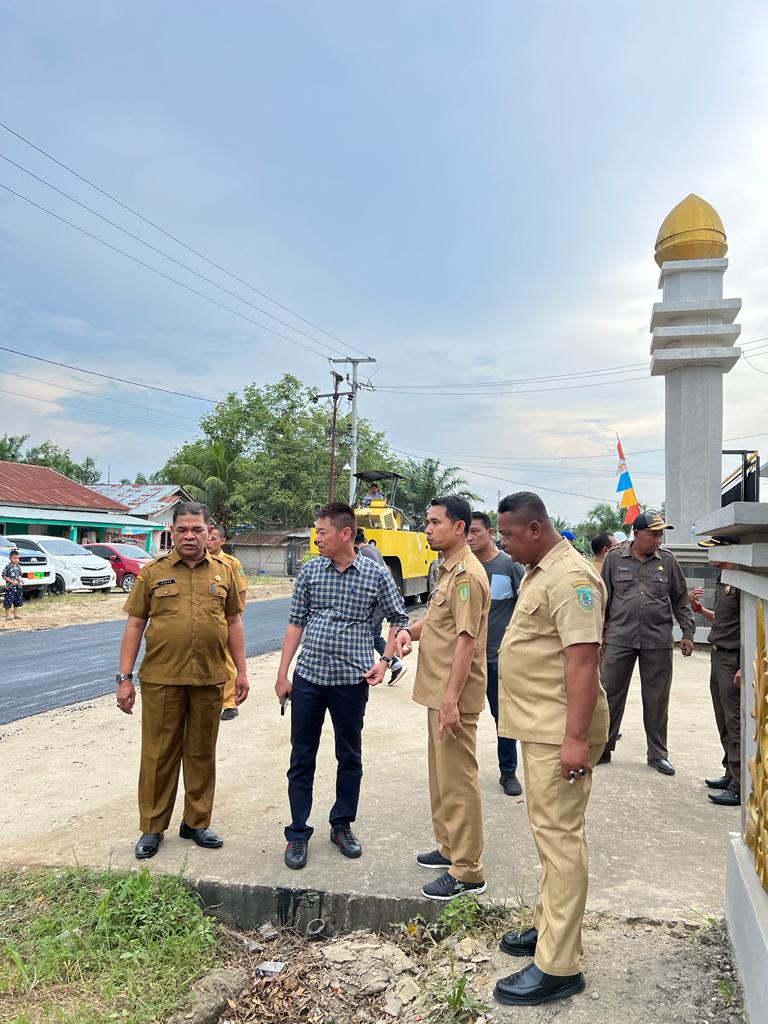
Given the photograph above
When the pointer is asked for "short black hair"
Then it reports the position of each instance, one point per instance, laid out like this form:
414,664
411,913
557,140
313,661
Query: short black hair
525,503
192,508
602,540
341,515
221,530
360,536
484,518
14,551
456,508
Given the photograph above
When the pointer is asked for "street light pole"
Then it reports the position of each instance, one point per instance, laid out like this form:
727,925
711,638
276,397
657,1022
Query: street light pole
355,388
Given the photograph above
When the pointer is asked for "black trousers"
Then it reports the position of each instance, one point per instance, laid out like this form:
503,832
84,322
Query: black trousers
655,685
726,702
346,705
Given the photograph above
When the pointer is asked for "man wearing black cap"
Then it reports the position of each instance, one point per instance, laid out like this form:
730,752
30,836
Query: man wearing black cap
725,677
646,588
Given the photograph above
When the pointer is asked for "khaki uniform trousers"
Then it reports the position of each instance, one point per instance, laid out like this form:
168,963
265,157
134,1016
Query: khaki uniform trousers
229,686
655,686
726,701
179,725
556,812
454,793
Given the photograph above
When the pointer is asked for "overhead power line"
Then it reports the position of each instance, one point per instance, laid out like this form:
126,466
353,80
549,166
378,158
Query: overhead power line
526,391
161,273
167,256
98,412
176,239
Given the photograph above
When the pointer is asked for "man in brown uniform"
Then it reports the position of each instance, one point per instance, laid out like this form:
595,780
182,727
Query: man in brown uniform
451,683
725,678
646,588
190,599
550,698
217,538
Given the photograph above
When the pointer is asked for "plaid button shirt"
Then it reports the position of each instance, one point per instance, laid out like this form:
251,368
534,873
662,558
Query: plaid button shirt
337,610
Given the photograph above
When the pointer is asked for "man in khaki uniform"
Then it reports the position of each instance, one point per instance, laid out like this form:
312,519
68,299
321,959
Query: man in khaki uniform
550,698
217,538
190,599
451,682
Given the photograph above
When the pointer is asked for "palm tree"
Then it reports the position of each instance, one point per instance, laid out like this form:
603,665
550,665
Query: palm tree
428,479
10,447
210,478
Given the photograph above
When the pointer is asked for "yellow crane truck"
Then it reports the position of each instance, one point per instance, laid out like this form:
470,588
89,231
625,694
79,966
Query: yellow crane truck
404,548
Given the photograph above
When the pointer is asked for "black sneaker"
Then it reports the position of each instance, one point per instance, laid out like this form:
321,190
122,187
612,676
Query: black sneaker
510,785
605,757
296,853
347,842
398,669
433,859
228,714
446,888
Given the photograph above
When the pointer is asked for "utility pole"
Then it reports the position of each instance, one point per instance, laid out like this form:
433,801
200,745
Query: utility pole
355,388
335,395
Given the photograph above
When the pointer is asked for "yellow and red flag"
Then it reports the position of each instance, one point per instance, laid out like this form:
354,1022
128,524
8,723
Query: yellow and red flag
626,488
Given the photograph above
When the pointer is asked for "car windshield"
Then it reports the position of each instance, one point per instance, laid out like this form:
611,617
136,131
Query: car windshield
130,551
60,546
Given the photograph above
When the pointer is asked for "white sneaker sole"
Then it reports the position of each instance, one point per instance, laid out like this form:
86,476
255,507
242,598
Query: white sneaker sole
447,899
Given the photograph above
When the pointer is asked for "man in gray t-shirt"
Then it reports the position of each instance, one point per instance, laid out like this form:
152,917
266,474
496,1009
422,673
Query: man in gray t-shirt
504,576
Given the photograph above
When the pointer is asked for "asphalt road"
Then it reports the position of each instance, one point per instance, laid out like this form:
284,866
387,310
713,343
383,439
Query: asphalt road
50,668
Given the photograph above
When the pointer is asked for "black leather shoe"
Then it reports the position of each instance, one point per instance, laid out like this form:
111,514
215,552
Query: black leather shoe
148,845
531,986
509,783
728,798
722,783
347,842
296,853
605,757
520,943
228,714
201,836
661,764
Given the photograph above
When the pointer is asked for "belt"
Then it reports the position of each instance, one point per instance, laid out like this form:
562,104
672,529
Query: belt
728,650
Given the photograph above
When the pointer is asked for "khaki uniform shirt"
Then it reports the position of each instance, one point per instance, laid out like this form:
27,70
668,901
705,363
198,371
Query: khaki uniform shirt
726,628
561,603
643,596
186,640
459,604
236,567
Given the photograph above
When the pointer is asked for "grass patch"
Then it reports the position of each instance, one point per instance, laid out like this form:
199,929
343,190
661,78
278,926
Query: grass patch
80,947
255,580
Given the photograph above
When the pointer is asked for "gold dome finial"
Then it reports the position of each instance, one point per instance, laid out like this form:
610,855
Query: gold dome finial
691,231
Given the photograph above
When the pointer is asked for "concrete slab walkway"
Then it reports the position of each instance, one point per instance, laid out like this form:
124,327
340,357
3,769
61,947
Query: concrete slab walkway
657,844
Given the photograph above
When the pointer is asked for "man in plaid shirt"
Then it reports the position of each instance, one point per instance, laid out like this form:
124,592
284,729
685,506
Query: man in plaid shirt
334,606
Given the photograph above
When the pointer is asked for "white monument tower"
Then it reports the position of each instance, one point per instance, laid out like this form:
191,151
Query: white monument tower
693,346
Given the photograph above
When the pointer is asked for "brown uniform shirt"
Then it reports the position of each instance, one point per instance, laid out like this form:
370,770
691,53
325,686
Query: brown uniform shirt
186,639
561,603
642,599
726,628
236,567
459,604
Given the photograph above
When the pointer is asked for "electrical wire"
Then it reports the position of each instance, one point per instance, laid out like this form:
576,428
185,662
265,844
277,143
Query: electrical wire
82,408
107,376
161,273
527,391
165,255
177,240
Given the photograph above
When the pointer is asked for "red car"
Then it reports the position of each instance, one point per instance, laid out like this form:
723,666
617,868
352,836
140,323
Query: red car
126,559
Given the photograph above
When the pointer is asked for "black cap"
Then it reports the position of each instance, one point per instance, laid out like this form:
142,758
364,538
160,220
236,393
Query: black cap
717,542
650,521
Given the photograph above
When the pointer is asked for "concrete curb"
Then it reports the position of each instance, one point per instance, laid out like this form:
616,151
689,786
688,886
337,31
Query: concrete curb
246,907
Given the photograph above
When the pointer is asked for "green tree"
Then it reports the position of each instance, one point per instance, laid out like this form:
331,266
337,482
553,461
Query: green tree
428,479
210,472
50,454
10,447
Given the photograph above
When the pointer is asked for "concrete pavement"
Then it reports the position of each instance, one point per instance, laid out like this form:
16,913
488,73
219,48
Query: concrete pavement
657,844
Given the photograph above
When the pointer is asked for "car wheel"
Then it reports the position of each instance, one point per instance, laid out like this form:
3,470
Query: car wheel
128,580
57,588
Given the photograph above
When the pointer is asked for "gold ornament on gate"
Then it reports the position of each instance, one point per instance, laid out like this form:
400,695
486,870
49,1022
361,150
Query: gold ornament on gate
756,835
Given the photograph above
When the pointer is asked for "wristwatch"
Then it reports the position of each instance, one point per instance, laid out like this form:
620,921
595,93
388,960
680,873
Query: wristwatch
122,677
387,659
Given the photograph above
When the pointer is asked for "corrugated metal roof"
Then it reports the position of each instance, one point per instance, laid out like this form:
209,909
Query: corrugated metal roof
65,516
38,485
266,538
144,499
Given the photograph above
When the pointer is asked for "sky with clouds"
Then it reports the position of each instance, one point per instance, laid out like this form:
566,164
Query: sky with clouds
468,192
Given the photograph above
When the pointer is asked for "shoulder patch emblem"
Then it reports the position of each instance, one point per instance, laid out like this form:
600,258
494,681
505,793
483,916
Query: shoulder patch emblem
584,596
463,591
581,583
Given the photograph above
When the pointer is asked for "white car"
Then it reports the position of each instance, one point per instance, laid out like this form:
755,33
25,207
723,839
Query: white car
74,567
36,572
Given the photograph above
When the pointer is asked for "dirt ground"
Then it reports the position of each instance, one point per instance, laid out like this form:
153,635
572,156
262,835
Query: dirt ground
635,972
79,609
